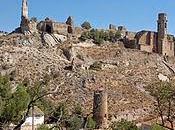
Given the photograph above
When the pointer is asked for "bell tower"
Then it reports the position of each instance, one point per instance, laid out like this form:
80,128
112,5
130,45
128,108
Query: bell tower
162,33
24,17
24,13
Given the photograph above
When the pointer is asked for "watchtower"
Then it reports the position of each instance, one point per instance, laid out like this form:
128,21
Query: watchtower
162,33
24,13
24,17
100,109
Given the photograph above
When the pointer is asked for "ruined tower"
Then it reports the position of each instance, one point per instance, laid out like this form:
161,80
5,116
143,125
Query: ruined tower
100,109
24,13
24,17
70,23
162,34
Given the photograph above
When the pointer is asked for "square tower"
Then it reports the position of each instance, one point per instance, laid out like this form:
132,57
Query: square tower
164,46
162,33
24,17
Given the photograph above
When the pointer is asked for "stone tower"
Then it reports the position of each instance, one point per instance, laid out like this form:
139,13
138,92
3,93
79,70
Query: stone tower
162,34
24,13
100,109
24,17
70,24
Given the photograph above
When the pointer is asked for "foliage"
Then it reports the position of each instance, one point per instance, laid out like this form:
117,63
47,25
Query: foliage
57,114
123,125
75,123
99,36
86,25
163,92
13,104
78,109
91,123
157,127
43,127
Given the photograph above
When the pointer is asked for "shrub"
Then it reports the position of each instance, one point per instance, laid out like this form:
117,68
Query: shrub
43,127
75,123
91,123
157,127
86,25
99,36
78,109
123,125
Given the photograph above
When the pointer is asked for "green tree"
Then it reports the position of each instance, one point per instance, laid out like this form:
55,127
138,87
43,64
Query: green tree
99,36
86,25
123,125
163,92
13,104
36,93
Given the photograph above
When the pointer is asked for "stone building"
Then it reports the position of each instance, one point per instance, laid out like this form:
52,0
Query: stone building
28,26
158,42
100,109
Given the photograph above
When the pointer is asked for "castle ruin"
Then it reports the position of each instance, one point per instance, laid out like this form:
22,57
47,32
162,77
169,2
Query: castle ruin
28,26
159,42
150,41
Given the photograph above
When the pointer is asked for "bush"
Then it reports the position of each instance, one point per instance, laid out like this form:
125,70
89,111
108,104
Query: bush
124,125
43,127
75,123
157,127
91,123
78,109
86,25
99,36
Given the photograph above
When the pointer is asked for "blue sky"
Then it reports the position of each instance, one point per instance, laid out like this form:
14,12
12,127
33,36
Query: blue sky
134,14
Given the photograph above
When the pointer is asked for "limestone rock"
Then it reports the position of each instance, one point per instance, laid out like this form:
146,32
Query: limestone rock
163,77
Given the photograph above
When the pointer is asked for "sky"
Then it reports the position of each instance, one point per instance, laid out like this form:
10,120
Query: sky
135,15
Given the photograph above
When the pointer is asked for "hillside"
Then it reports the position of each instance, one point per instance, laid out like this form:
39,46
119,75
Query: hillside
123,72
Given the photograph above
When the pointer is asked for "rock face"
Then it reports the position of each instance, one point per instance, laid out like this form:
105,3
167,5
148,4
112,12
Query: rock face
123,72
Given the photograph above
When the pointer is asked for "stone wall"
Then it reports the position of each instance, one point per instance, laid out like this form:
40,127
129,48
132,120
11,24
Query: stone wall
168,48
60,28
147,41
